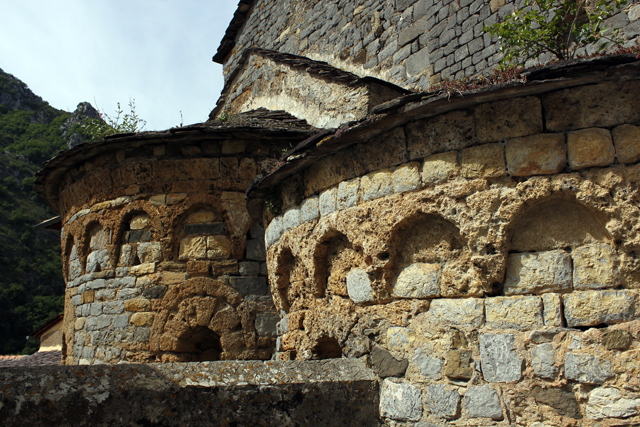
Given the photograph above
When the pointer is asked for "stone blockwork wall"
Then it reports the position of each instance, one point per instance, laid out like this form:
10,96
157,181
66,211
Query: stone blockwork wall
324,394
321,95
161,259
484,261
412,43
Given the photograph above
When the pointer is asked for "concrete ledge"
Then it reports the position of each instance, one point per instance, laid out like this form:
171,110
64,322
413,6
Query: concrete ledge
334,392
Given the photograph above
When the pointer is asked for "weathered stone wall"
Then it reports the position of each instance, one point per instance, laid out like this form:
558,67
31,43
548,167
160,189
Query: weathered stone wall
276,82
484,260
161,259
411,43
327,393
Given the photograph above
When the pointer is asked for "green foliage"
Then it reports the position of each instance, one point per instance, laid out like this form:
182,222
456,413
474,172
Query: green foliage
558,27
273,201
123,122
31,284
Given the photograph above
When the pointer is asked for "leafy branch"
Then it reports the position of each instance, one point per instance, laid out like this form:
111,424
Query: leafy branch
558,27
122,123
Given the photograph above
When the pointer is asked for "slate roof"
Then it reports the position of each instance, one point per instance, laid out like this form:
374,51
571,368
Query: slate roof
42,358
312,67
415,106
255,125
229,38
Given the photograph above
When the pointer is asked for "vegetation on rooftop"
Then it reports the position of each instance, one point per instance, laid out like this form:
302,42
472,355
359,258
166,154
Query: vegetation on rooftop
557,27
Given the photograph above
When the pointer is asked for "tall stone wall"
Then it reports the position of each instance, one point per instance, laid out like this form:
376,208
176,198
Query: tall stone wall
482,260
411,43
161,260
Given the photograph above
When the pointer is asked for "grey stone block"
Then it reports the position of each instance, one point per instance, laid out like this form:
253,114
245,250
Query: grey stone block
500,363
291,219
359,286
309,209
76,300
402,402
256,250
458,312
418,280
328,201
97,284
249,268
461,53
113,307
96,309
120,321
250,285
443,402
430,367
347,195
412,32
154,292
141,334
128,293
256,231
538,272
266,324
75,269
482,402
274,231
542,359
385,365
417,62
587,369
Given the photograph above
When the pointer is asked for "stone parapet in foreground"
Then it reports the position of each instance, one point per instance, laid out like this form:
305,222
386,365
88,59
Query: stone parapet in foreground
320,393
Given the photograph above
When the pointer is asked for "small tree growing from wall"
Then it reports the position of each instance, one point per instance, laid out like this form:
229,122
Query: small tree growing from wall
559,27
122,123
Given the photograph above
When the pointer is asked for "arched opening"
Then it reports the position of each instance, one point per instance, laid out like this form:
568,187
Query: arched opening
334,257
136,241
326,348
203,235
96,248
556,224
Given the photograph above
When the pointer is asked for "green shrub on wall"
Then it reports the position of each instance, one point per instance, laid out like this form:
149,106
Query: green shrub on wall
558,27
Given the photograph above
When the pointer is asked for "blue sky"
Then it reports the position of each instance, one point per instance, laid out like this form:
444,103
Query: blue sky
157,52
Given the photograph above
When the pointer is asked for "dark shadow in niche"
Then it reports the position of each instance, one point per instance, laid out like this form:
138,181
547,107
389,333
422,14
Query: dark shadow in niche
207,343
68,248
333,258
284,263
326,348
555,224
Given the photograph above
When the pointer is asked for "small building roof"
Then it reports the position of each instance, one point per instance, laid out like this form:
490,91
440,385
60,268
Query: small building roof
48,325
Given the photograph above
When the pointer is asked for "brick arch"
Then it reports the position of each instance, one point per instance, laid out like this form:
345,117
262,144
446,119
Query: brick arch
198,321
122,226
333,257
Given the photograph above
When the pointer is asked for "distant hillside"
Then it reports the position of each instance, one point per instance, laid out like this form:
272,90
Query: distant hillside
31,284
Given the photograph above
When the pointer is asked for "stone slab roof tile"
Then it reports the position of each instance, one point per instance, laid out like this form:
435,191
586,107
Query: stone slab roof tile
42,358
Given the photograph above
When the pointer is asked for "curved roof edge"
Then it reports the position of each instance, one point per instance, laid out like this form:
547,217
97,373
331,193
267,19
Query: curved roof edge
257,124
401,111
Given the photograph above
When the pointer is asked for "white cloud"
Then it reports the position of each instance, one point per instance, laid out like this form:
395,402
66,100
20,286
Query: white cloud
106,51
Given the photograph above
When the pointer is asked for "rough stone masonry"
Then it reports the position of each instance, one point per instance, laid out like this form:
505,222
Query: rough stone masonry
458,260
